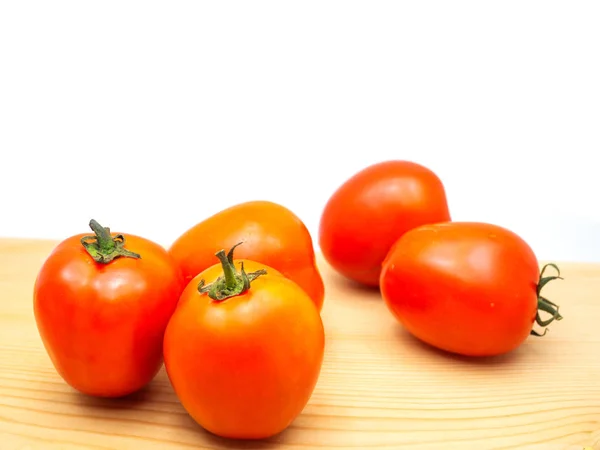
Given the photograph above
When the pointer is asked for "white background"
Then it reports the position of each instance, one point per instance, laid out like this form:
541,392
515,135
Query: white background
151,116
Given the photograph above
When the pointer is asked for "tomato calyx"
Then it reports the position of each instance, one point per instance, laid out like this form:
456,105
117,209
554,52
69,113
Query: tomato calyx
543,303
103,247
231,283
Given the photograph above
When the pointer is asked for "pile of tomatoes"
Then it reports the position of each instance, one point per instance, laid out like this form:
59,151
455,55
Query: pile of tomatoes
232,308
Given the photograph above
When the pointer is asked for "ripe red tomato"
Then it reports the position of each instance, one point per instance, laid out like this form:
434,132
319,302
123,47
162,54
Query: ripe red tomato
372,209
467,288
243,351
101,306
272,235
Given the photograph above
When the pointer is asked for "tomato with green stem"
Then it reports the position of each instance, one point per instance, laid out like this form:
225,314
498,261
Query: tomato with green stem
467,287
101,305
244,349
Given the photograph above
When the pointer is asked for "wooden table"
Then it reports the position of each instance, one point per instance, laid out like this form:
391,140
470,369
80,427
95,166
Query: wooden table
379,387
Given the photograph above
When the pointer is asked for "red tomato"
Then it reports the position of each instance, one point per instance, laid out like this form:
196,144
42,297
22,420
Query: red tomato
244,351
467,288
272,235
101,307
371,210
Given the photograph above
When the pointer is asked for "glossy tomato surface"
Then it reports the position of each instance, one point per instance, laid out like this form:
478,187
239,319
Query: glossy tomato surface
245,367
103,324
372,209
467,288
271,234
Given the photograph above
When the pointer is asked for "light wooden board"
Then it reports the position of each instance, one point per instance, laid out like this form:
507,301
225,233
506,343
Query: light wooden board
379,387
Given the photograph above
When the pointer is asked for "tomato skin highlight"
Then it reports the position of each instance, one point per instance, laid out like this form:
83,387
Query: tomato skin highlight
102,325
372,209
271,234
463,287
245,367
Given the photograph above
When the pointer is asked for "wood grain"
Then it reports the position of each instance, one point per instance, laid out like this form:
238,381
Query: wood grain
379,387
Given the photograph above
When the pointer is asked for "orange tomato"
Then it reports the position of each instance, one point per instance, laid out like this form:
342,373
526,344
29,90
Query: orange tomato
244,350
372,209
101,310
466,287
271,234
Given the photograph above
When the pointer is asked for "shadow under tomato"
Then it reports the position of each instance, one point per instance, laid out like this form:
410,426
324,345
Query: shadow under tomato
131,401
233,444
417,345
206,437
340,282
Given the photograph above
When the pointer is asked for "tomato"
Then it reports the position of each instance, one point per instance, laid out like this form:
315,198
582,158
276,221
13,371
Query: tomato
272,235
244,350
372,209
465,287
101,305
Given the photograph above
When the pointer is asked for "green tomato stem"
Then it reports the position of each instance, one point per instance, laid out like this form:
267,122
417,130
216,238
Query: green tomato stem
544,304
231,280
103,247
231,283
